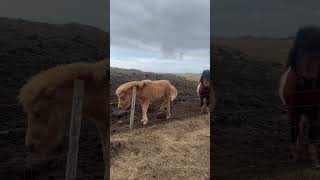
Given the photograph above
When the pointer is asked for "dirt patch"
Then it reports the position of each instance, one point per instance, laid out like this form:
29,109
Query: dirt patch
176,150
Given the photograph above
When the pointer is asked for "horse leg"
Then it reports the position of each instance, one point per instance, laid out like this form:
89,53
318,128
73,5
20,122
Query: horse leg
206,109
301,134
162,106
168,109
312,146
145,107
303,139
201,104
294,119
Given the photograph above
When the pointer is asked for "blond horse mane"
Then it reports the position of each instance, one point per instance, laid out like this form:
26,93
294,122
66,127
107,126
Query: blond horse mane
47,81
129,85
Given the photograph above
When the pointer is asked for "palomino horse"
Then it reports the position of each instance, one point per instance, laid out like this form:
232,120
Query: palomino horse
147,91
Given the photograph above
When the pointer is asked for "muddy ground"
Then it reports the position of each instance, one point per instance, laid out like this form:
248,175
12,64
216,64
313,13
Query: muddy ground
25,49
250,133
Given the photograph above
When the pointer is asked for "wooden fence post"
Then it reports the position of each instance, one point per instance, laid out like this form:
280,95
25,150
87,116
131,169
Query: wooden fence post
133,104
74,132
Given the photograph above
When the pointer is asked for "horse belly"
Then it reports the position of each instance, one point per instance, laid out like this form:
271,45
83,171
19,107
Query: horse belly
155,92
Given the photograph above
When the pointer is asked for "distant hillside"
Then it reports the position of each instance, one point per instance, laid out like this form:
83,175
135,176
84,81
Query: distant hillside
260,49
190,76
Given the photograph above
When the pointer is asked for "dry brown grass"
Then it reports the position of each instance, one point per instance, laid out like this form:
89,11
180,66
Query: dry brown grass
176,150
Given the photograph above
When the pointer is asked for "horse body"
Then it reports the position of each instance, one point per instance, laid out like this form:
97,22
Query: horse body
147,92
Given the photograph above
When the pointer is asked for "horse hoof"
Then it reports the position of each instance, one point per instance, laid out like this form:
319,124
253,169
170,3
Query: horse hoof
145,122
168,117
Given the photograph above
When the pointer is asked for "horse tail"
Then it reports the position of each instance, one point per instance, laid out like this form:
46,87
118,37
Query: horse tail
174,92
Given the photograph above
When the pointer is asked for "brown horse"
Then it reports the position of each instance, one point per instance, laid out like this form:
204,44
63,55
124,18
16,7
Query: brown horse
47,100
147,91
300,87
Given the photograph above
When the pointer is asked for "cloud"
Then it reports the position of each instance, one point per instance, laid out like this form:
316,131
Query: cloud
271,18
169,28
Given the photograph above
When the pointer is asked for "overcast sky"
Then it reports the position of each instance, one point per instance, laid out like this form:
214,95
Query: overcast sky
88,12
160,35
271,18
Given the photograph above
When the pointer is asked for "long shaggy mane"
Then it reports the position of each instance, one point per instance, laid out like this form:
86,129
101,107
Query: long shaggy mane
129,85
307,40
45,81
158,88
